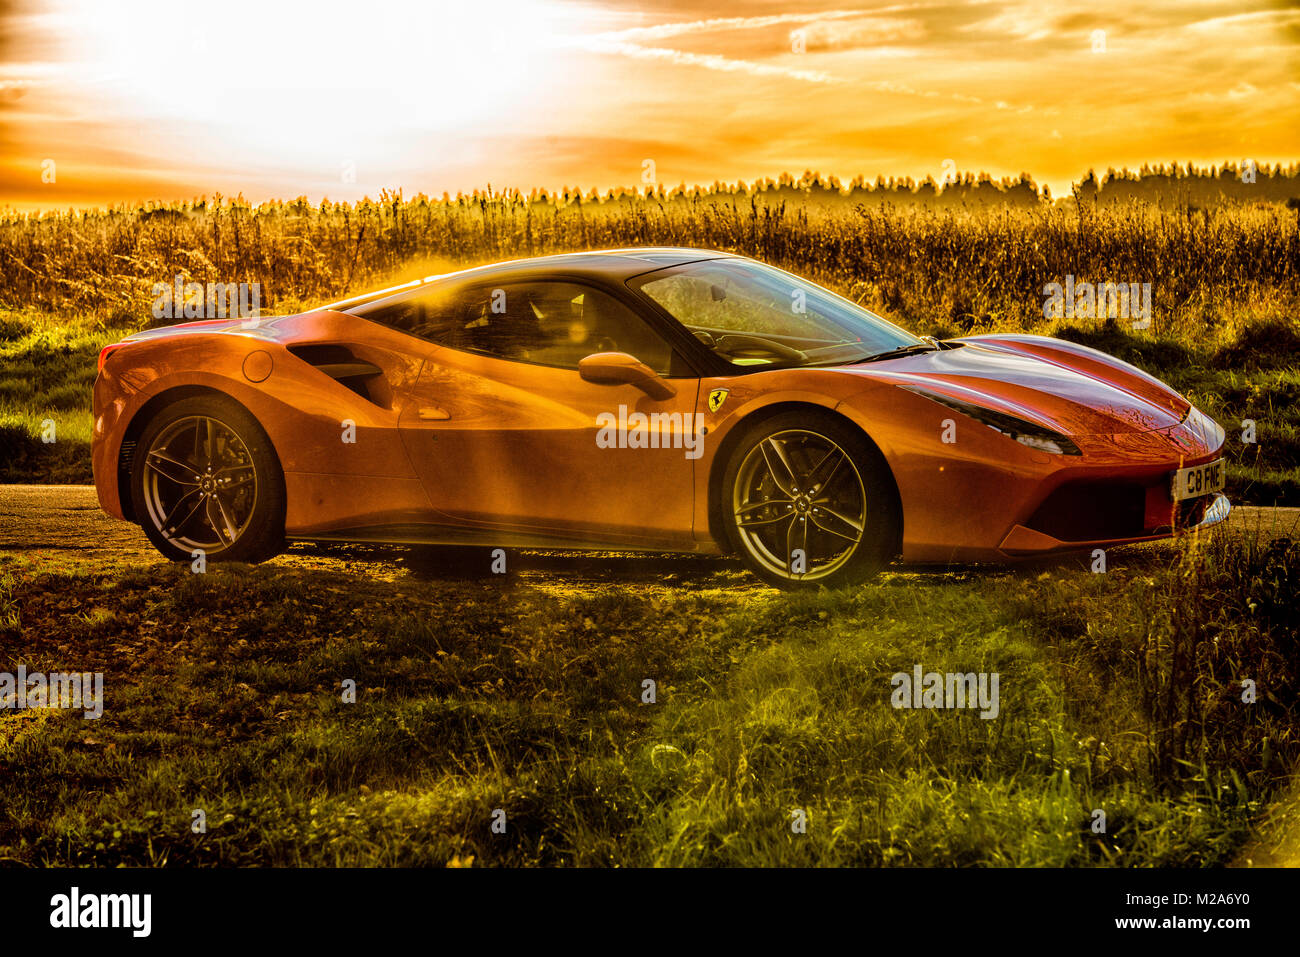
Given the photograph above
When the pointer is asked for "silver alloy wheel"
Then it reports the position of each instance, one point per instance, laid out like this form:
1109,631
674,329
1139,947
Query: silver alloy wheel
200,485
797,491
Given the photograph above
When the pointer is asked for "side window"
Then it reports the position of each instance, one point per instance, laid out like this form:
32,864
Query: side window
549,323
427,315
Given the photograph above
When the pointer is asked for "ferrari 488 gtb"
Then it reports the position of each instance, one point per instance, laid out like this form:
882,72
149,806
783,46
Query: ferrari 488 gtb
653,399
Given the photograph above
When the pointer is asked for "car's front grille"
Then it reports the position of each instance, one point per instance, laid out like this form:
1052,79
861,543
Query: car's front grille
1092,511
1185,514
1084,511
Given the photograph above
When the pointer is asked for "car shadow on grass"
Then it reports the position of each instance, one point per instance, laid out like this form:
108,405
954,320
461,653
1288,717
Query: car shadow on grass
479,563
1139,557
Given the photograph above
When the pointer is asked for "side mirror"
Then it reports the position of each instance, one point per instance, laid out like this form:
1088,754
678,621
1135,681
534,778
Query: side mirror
619,368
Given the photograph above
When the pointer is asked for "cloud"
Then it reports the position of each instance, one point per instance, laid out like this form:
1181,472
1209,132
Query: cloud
633,43
823,30
708,61
1023,22
666,31
1258,19
863,32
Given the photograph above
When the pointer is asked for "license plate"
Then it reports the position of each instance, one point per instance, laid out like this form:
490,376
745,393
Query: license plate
1197,480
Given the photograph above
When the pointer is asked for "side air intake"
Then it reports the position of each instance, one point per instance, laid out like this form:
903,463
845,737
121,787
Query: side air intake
339,363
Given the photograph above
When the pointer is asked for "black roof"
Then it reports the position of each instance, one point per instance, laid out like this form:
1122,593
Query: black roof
608,264
612,263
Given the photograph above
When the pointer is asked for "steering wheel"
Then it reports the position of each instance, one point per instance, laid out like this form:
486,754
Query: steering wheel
735,342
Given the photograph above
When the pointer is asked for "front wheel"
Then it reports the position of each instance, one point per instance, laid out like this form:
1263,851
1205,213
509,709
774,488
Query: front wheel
205,478
807,501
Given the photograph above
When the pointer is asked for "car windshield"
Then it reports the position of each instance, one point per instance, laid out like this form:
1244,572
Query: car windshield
756,315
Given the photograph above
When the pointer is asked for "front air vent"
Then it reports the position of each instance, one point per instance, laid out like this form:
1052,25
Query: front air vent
1084,511
126,457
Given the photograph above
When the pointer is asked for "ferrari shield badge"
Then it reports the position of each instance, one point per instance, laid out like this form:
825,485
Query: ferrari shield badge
716,398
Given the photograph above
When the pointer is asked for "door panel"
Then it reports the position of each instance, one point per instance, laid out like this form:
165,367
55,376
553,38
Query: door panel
514,445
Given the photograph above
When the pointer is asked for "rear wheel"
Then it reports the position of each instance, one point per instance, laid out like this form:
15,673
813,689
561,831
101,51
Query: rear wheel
808,501
205,477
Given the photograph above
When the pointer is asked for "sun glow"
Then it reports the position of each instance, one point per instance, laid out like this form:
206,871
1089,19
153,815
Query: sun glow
293,80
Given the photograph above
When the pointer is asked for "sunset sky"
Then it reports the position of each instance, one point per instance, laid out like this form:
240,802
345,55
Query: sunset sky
129,100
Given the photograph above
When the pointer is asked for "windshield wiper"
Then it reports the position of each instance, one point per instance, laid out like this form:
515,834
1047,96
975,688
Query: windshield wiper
913,349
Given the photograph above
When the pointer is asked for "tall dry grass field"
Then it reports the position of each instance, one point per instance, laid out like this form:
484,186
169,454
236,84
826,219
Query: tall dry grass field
1224,280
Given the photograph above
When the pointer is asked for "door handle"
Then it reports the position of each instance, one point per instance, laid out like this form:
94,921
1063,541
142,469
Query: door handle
434,413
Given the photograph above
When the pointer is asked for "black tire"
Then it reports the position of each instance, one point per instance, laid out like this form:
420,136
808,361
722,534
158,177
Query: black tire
760,483
194,459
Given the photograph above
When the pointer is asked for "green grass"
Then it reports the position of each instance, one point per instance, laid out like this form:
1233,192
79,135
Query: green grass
47,372
1119,692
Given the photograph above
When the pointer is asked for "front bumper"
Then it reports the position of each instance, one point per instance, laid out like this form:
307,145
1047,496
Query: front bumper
110,399
985,499
1022,541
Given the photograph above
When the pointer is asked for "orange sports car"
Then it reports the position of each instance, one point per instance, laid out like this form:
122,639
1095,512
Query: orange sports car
656,399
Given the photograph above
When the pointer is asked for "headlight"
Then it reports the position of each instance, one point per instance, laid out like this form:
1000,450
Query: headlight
1026,433
1210,431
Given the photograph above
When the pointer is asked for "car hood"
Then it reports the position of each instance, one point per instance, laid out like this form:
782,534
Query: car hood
1071,389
